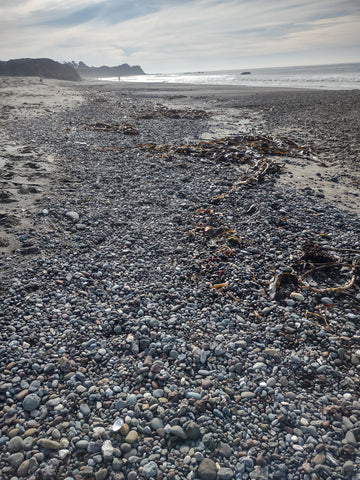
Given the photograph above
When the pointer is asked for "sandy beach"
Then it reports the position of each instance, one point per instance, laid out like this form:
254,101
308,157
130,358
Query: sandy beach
180,282
26,171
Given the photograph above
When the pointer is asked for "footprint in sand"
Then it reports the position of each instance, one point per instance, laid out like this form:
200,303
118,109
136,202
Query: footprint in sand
7,197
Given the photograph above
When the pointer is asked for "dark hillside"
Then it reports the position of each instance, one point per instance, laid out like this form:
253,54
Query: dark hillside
43,67
104,71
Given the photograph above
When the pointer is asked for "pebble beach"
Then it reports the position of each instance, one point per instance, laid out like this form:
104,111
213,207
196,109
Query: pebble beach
180,293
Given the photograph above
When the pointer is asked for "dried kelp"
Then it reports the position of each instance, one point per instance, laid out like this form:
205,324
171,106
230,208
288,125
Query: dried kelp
318,271
223,238
125,128
240,149
314,252
280,281
174,113
329,271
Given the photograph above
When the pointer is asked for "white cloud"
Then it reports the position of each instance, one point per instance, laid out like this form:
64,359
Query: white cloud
177,35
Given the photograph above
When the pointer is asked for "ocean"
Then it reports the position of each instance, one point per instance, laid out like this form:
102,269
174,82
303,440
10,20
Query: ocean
326,77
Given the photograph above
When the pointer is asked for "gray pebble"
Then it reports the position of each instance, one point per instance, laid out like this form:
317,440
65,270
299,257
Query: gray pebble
16,459
178,432
15,444
348,466
31,402
150,470
225,474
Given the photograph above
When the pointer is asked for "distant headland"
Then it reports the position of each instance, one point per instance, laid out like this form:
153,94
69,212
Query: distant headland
38,67
72,71
123,70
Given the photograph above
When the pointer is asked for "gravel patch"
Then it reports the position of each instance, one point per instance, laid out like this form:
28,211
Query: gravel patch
181,316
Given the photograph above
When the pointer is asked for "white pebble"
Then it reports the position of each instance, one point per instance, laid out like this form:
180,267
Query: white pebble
298,448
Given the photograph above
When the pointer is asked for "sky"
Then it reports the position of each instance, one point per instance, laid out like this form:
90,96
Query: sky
165,36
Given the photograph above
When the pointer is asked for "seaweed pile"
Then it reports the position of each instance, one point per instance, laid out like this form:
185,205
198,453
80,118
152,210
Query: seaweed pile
125,128
161,111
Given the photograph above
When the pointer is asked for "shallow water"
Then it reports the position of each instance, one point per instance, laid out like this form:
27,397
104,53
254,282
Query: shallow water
327,77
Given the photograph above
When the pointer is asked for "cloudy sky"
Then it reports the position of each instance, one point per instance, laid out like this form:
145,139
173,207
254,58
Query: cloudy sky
182,35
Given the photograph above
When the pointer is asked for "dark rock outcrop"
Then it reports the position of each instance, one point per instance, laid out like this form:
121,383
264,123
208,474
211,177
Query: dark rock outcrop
38,67
104,71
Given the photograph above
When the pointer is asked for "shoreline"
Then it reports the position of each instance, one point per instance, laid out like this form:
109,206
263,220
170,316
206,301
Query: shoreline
181,299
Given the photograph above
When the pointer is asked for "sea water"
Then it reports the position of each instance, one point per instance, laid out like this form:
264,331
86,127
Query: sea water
325,77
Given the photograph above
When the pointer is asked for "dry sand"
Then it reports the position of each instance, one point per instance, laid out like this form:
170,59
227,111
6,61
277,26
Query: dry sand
325,122
26,171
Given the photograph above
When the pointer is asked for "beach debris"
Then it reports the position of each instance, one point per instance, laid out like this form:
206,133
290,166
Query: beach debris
8,220
320,314
223,237
119,422
238,150
129,129
175,113
125,128
322,267
4,242
316,253
7,197
279,281
338,288
219,286
316,266
170,338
